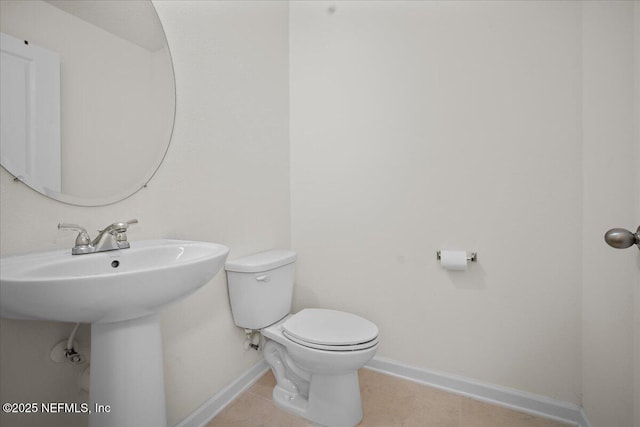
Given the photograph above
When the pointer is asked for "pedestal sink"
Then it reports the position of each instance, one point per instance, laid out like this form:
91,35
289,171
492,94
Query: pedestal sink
119,293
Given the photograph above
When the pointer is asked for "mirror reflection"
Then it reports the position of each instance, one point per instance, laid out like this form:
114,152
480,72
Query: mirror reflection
88,97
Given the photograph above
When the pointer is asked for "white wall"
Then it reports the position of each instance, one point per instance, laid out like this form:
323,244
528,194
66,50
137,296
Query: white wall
419,126
225,179
499,127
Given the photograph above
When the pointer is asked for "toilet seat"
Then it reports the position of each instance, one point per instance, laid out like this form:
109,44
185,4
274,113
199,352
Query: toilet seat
352,347
330,330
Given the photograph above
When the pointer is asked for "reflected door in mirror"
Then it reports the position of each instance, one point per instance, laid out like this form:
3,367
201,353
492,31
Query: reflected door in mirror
30,112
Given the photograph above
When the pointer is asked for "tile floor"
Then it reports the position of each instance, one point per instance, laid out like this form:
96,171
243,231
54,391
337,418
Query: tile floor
387,401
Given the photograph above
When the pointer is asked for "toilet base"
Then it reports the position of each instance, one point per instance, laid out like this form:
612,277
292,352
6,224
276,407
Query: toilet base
331,400
334,400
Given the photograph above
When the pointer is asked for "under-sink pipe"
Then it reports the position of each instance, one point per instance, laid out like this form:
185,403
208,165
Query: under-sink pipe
71,337
69,352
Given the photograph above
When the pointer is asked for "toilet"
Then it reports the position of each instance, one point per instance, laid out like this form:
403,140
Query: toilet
315,353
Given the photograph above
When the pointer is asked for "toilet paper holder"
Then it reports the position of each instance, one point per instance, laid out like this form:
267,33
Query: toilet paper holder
473,257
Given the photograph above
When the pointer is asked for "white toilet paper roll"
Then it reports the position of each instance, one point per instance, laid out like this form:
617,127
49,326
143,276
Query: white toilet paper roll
453,260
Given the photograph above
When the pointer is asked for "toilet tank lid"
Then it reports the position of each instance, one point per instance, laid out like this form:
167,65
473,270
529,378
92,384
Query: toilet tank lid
262,261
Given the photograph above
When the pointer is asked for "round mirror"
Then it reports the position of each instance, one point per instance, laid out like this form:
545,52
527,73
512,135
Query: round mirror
88,97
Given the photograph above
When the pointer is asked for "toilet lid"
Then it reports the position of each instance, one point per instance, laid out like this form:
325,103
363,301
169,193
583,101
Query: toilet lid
329,328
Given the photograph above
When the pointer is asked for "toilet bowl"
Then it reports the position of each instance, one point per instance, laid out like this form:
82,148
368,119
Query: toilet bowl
315,354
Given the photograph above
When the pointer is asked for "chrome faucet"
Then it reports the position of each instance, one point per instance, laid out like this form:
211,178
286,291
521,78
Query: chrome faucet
110,238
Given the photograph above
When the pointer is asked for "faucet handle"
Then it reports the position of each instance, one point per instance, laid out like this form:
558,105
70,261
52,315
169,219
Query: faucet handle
123,226
119,227
83,238
120,232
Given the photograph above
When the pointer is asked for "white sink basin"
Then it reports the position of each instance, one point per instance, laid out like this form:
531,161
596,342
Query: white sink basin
118,292
107,286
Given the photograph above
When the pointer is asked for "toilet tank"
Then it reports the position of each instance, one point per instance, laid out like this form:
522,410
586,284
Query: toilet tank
261,287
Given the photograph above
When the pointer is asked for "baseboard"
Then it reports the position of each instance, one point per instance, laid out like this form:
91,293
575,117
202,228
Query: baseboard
514,399
217,402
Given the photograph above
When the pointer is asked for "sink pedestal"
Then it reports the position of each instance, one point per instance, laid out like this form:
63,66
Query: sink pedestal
127,374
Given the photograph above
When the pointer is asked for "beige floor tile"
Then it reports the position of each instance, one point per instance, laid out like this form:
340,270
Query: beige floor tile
387,401
391,401
264,386
252,410
480,414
